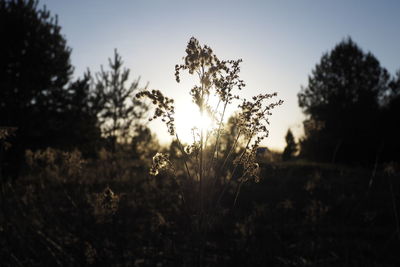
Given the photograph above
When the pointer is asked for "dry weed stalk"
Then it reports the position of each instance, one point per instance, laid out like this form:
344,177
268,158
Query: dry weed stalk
207,174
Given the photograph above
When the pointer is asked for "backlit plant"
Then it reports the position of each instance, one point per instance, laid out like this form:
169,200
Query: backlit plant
204,174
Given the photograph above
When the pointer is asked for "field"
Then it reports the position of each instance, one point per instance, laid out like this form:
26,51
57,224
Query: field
109,212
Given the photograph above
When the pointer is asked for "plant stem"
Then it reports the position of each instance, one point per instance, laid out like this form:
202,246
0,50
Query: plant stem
215,150
234,170
239,185
201,141
184,156
230,151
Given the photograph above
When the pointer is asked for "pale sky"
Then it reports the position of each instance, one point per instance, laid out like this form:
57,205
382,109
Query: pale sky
280,42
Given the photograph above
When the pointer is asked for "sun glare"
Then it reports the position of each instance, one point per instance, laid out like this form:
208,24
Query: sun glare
189,119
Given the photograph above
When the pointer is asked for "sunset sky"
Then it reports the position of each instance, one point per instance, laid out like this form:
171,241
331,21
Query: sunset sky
279,41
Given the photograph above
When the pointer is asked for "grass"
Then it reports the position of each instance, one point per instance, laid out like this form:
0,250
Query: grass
334,216
300,214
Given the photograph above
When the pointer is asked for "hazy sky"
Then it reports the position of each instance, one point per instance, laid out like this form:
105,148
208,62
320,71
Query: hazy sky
279,41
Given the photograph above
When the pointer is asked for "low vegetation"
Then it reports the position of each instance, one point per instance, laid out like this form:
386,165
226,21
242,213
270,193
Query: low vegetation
66,211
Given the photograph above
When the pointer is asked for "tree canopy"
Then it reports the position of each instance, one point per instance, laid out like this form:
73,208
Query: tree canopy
34,66
38,96
342,101
121,110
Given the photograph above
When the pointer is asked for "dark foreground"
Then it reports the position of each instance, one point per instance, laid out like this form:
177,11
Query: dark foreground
69,213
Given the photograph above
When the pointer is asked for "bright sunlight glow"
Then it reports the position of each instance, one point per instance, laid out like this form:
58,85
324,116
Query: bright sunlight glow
189,119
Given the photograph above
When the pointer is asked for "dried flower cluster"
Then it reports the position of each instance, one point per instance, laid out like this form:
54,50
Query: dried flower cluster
6,132
254,114
104,204
160,162
202,161
164,108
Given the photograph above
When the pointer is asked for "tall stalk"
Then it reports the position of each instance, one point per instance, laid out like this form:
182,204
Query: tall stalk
218,79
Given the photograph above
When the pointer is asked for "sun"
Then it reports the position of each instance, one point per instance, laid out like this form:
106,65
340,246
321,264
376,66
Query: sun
204,122
190,118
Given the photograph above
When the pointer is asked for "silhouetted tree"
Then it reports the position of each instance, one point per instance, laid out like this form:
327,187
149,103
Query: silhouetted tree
34,65
389,123
342,102
81,125
121,110
291,146
34,70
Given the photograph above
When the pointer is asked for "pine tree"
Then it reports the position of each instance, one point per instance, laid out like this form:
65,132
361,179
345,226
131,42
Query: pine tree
34,72
291,146
81,125
121,110
342,102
